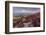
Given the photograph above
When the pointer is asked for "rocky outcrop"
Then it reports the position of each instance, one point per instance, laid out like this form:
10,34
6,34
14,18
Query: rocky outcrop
27,21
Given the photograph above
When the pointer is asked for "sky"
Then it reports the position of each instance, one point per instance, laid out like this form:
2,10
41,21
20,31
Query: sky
21,10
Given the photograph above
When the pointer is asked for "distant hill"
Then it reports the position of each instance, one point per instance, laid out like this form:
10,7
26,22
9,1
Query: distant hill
22,14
